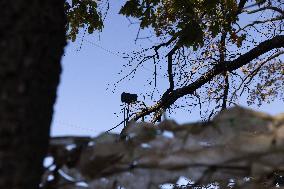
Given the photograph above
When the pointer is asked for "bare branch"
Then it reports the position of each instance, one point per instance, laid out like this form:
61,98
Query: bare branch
277,18
241,6
276,9
226,92
255,71
222,50
264,47
229,66
170,68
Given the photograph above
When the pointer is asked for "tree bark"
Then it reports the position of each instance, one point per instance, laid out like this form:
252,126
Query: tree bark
32,39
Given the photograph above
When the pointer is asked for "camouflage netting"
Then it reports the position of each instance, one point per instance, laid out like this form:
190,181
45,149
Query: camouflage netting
240,148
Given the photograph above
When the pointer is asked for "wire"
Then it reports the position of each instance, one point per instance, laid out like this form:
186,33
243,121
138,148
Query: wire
73,125
104,49
116,54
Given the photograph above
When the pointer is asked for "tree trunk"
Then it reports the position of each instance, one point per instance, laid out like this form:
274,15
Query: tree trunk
32,39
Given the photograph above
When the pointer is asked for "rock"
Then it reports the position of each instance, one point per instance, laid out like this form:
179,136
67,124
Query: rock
238,144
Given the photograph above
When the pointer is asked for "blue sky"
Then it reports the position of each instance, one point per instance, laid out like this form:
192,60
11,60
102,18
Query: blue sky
84,106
